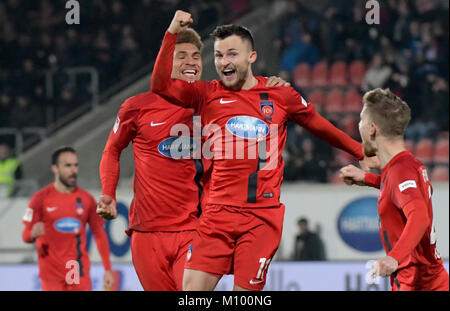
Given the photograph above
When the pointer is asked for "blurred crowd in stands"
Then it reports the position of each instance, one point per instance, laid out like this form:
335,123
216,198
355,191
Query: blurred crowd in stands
115,37
332,56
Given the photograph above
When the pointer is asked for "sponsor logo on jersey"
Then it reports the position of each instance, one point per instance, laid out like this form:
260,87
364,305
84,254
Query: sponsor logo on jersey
156,124
267,109
407,184
67,225
358,225
178,147
247,127
222,101
253,282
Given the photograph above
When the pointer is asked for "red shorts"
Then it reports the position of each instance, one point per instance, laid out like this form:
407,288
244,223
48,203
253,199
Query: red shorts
85,284
429,280
159,258
240,240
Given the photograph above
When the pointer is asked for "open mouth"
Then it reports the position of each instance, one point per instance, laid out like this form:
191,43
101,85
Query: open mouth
190,73
229,74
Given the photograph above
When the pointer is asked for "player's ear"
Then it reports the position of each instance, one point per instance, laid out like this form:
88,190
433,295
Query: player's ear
54,169
373,129
253,56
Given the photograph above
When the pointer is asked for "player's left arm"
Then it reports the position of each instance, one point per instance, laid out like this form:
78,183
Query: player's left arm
96,224
408,196
304,114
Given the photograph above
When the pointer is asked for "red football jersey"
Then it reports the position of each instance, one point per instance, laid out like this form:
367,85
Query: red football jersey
245,131
166,196
406,219
64,216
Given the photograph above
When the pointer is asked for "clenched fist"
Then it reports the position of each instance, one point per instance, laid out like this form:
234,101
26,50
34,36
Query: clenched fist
181,20
107,207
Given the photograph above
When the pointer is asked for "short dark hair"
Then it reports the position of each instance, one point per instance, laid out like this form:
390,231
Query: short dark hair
189,35
388,111
302,220
57,152
225,31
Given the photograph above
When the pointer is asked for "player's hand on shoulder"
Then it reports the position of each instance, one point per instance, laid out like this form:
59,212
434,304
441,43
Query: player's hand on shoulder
352,175
370,162
107,207
38,230
276,81
181,20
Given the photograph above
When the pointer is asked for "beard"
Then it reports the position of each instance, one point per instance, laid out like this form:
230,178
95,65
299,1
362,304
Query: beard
369,151
68,183
237,83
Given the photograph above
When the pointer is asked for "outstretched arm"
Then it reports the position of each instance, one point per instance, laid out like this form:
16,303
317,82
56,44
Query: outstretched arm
176,91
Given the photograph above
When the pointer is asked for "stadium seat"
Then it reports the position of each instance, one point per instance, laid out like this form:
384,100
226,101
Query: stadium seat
302,75
439,174
350,126
317,97
320,74
338,74
424,151
335,101
357,71
353,101
441,152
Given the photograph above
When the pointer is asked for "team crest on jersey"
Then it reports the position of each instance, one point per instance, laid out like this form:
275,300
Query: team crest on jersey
189,253
267,109
79,207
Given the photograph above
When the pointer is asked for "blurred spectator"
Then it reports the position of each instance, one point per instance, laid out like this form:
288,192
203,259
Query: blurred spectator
10,172
26,114
115,37
307,246
299,51
377,75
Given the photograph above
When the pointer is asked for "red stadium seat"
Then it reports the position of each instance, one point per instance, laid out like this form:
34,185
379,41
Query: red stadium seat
357,71
338,74
424,151
439,174
353,101
441,152
335,101
317,97
320,74
302,75
350,126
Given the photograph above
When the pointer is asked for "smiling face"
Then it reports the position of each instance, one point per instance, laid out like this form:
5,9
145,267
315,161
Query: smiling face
233,59
187,62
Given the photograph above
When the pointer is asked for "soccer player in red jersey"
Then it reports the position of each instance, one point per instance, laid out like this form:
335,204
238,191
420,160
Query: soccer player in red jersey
56,220
241,224
164,211
404,203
